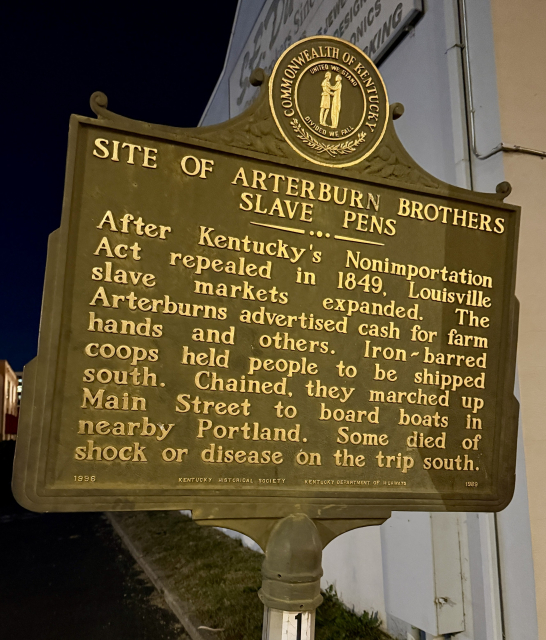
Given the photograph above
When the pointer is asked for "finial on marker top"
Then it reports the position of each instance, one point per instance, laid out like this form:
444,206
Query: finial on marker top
98,102
397,110
503,189
257,77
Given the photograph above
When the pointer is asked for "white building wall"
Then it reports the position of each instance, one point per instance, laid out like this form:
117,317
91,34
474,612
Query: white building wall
422,553
483,562
352,563
492,39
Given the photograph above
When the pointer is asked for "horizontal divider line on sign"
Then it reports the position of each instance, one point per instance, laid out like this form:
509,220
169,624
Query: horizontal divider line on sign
274,226
347,239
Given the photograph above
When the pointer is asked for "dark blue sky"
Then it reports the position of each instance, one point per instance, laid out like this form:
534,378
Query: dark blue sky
53,59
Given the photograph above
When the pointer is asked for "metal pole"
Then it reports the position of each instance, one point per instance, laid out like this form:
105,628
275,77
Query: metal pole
291,575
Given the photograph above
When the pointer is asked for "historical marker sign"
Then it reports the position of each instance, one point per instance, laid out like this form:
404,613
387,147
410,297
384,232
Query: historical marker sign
237,319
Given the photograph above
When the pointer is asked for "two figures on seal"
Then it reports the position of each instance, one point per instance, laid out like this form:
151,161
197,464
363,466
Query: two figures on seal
330,101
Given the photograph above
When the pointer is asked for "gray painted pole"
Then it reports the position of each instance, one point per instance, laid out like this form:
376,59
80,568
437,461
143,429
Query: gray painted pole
291,575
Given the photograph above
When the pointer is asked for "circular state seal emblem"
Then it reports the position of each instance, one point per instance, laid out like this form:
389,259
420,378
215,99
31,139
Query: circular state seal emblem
329,101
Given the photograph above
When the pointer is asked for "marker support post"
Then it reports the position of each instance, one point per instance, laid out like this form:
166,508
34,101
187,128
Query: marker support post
292,568
291,575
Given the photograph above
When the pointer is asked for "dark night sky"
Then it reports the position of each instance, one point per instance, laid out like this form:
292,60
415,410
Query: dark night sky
53,59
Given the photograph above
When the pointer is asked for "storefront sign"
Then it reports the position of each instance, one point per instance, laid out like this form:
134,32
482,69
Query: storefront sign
374,26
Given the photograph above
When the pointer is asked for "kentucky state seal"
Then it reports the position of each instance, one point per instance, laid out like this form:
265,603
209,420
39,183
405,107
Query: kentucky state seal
329,101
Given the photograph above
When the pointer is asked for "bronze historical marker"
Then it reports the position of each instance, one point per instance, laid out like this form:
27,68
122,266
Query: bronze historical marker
282,312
